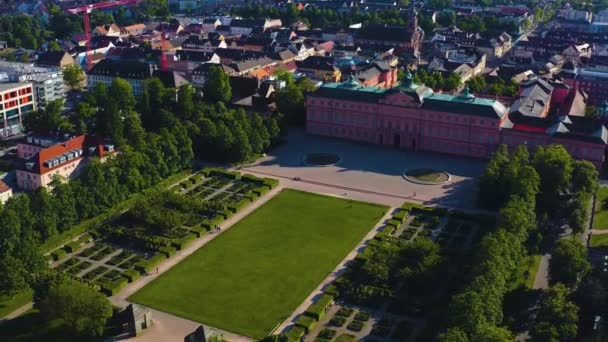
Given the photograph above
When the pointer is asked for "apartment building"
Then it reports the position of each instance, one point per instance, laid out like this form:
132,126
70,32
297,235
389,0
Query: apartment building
16,100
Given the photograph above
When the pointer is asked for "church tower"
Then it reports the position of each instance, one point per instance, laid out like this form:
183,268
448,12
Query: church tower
414,32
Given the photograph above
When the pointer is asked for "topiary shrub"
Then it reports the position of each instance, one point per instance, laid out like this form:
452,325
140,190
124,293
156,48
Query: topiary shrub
295,334
181,243
211,223
198,231
58,254
168,251
113,287
72,246
332,290
225,213
131,275
306,322
86,238
401,216
317,310
146,266
393,223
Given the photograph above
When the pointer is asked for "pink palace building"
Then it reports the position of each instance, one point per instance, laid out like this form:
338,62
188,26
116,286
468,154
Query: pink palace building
414,117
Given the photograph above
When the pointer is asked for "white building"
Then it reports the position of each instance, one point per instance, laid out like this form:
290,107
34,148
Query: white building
16,99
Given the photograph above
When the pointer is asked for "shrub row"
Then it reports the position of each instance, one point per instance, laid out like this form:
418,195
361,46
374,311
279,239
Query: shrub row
317,310
393,223
226,214
168,251
295,334
221,172
259,191
113,287
72,246
198,231
130,275
400,216
58,254
236,207
181,243
145,266
251,196
332,290
385,232
306,322
271,182
211,223
86,238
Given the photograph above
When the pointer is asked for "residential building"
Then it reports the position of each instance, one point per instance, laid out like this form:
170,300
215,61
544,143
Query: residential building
16,100
111,30
47,82
132,30
58,59
132,71
210,24
320,68
414,117
6,192
48,156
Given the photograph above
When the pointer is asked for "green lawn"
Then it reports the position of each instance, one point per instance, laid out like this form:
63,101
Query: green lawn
600,220
10,304
526,272
600,241
254,275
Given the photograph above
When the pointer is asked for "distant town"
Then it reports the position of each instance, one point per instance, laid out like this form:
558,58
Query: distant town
389,170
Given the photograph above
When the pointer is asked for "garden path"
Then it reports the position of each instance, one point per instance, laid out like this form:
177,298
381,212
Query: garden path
102,262
219,191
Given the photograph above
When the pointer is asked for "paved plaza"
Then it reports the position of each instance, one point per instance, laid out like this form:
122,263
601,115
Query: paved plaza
371,169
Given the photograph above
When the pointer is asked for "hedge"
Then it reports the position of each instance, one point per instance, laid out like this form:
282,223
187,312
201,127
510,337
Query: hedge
225,213
58,254
401,216
222,173
332,290
252,178
259,191
306,322
211,223
250,196
271,182
295,334
168,251
86,238
198,231
113,287
317,310
181,243
145,266
131,275
393,223
236,207
72,246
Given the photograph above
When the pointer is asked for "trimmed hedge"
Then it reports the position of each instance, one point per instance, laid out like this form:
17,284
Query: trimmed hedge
306,322
259,191
236,207
131,275
198,231
221,173
401,216
72,246
295,334
86,238
332,290
211,223
145,266
168,251
317,310
113,287
58,254
393,223
271,182
180,244
225,213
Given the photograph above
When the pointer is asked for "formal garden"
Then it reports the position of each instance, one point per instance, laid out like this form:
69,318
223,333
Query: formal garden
390,290
253,276
134,243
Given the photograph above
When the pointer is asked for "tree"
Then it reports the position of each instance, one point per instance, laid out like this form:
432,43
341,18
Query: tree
452,82
73,76
48,119
568,263
578,219
555,165
78,306
290,102
217,88
557,317
54,46
592,295
492,189
121,93
584,177
477,84
454,335
490,333
14,275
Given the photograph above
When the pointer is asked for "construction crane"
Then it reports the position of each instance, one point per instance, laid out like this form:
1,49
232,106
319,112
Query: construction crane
86,10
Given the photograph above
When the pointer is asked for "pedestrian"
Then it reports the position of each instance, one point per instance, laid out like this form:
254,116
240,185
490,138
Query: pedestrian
414,193
157,270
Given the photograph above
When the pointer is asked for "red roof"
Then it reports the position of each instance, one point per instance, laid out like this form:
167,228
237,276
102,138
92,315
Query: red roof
527,128
3,187
81,142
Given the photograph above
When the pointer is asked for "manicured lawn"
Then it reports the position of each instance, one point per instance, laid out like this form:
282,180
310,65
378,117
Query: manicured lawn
10,304
526,272
254,275
600,220
600,241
